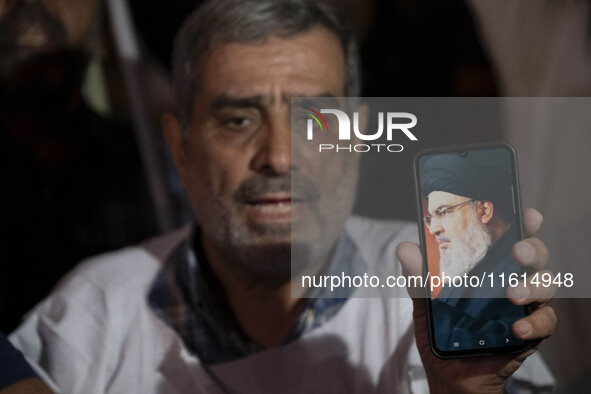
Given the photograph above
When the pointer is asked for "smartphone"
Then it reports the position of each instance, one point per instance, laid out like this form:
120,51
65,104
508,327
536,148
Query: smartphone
470,216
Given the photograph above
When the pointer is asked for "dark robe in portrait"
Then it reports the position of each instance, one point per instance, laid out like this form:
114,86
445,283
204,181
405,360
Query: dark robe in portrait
462,316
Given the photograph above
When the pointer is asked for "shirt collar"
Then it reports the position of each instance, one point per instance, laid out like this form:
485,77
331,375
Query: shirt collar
187,296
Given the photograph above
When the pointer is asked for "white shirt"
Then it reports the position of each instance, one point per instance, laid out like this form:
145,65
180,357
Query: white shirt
97,334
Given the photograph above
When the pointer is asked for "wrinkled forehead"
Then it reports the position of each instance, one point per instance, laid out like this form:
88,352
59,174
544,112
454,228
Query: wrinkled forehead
308,64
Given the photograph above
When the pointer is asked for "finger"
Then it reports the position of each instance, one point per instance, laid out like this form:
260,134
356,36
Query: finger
539,288
409,255
532,221
411,260
540,324
531,253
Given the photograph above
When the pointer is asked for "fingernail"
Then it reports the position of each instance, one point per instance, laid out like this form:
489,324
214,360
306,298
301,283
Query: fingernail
519,292
527,252
523,328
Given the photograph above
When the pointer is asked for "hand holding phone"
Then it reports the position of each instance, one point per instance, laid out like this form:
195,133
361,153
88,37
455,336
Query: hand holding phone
486,372
469,205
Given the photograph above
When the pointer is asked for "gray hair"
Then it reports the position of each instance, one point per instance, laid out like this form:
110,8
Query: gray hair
219,22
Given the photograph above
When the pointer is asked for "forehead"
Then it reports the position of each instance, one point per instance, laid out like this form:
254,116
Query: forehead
440,199
307,64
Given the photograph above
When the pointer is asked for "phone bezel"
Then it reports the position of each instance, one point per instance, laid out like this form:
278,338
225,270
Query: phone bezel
464,353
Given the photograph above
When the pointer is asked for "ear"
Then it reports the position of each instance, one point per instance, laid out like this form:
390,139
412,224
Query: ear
174,139
363,117
363,111
486,212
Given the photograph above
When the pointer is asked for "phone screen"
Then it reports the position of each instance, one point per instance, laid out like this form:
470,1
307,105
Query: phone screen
470,218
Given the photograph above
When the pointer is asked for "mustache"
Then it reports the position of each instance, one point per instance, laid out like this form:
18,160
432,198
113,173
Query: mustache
295,184
441,239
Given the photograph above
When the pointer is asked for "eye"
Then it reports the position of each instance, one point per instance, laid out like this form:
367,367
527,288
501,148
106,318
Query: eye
237,123
239,120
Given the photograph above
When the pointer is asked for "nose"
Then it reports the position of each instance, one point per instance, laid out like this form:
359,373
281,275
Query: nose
273,156
435,227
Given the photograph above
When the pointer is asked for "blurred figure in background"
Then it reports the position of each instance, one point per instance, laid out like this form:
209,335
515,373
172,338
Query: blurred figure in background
542,50
72,183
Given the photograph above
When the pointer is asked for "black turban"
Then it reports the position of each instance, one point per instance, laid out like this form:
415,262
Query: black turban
470,177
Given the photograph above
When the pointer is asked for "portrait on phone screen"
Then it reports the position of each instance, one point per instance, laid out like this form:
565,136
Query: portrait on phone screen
470,226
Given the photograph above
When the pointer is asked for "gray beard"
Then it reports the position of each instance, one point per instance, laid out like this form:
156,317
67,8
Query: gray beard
468,250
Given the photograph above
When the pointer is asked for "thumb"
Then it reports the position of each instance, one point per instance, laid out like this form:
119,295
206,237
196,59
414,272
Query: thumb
410,258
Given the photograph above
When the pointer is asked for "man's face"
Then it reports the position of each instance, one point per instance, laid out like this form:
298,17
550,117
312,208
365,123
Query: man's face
31,27
251,198
453,223
462,236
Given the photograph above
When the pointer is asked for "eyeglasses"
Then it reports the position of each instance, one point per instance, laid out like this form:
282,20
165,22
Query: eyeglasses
440,213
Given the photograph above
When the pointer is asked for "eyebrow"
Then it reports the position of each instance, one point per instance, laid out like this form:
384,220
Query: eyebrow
440,207
311,100
226,101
